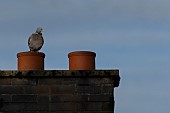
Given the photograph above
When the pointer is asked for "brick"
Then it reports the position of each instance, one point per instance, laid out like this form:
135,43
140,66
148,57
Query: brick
42,90
83,81
37,107
45,112
111,85
22,107
30,89
69,112
96,112
63,89
69,98
5,89
88,90
21,112
58,112
49,81
23,81
81,98
100,98
106,81
57,81
95,81
24,98
5,81
5,98
89,106
107,90
43,99
108,106
66,106
62,98
12,107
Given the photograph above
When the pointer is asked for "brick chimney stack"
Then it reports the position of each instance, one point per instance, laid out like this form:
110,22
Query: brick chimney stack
82,89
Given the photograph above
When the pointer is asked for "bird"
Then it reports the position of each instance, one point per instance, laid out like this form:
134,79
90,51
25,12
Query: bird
36,41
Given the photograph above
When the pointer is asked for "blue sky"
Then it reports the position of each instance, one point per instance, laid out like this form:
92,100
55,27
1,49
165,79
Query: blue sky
130,35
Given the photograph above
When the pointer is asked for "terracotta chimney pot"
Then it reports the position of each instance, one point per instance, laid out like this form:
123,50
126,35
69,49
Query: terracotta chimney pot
82,60
30,60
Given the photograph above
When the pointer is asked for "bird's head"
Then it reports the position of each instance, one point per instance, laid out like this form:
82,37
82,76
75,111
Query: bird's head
39,30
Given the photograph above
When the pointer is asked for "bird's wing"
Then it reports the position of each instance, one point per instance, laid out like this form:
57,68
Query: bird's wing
32,40
39,42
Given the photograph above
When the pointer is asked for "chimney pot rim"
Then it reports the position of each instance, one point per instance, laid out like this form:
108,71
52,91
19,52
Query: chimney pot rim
82,53
31,54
